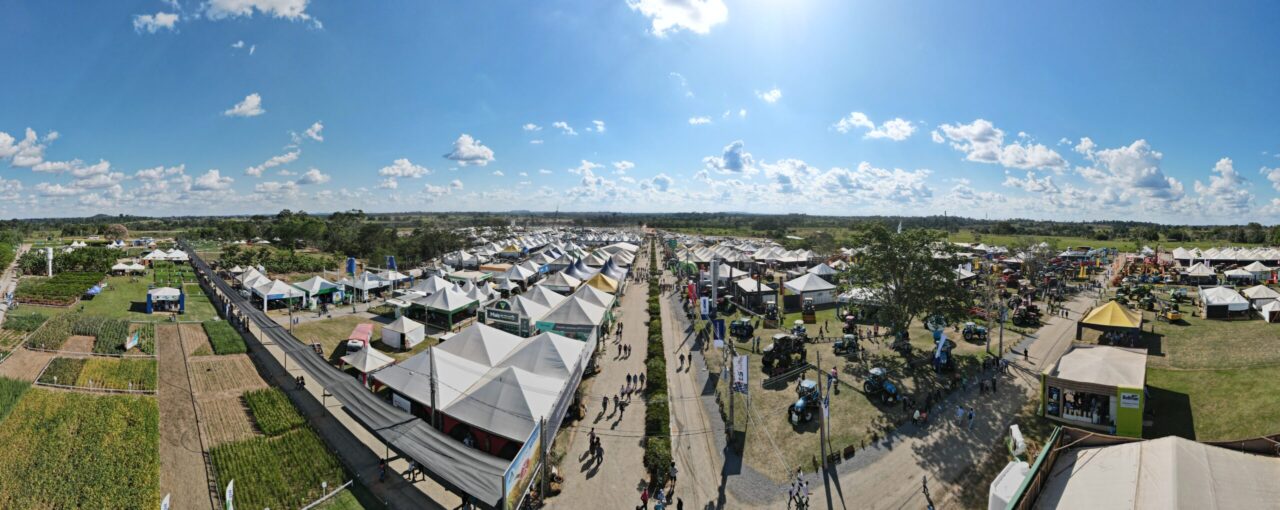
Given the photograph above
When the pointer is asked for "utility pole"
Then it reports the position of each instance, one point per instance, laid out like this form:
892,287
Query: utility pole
822,414
729,356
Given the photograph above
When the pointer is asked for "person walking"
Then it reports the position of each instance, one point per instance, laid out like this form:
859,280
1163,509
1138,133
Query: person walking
672,474
644,497
970,418
959,414
604,404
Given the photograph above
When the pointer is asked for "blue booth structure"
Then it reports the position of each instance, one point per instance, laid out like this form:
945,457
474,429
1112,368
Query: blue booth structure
166,299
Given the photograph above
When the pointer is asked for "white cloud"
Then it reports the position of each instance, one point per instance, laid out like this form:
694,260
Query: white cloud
564,127
535,142
159,172
250,107
276,188
1133,168
660,183
455,184
404,168
544,171
313,176
697,121
253,49
982,142
237,45
285,172
621,167
499,173
524,174
434,190
599,126
275,161
666,16
937,138
770,96
684,84
742,113
389,183
469,151
1227,193
152,23
56,190
895,129
531,127
1031,184
1085,146
27,153
734,159
585,169
99,181
293,10
313,132
211,181
1273,175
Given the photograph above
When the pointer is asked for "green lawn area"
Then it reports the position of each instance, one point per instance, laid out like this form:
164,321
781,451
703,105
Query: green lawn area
1215,405
356,497
126,298
75,450
331,332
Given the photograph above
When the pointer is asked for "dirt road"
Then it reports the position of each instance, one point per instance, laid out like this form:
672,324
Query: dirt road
182,467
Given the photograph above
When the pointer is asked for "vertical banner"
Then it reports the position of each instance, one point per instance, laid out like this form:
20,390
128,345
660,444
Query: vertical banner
693,294
231,495
705,303
164,503
719,332
740,373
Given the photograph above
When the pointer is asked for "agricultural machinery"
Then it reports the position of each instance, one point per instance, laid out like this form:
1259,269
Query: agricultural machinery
877,384
975,333
781,355
808,401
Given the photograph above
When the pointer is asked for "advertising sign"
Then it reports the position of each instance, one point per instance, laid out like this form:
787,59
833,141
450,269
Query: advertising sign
231,495
705,303
1130,400
740,370
132,342
515,482
718,333
401,402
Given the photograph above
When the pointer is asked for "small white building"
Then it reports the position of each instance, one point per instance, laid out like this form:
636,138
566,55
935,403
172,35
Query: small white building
403,333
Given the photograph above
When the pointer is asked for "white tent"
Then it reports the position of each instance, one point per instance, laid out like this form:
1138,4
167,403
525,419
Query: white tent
508,402
1199,270
1270,312
403,333
544,296
1239,274
481,344
822,270
431,285
814,287
1223,297
595,296
315,285
1259,295
367,359
276,289
560,282
1170,472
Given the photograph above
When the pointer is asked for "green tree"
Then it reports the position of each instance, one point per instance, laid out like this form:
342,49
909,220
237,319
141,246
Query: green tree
912,274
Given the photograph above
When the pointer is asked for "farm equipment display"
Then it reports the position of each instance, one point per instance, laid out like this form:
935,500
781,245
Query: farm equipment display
741,330
808,401
809,313
846,346
1025,317
975,333
781,355
1169,312
877,384
770,315
850,325
798,330
942,359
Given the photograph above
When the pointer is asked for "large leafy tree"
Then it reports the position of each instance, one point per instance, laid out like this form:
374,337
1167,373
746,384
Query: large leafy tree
911,273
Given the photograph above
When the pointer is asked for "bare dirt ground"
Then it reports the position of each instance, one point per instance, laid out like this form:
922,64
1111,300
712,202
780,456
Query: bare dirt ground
225,420
218,376
25,364
78,343
182,467
193,338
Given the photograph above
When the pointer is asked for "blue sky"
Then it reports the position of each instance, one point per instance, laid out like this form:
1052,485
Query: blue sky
1001,109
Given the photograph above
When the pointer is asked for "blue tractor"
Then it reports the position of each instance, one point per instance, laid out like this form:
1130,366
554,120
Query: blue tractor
877,383
943,361
808,401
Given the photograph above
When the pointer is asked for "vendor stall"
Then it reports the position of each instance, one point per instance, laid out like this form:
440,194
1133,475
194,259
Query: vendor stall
403,333
166,299
1098,387
1113,319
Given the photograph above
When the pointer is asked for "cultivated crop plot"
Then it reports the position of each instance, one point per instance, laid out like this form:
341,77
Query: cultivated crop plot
25,365
224,374
78,343
79,451
225,420
194,340
102,373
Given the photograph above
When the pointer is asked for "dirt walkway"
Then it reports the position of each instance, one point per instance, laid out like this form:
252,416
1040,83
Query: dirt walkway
25,364
182,467
616,481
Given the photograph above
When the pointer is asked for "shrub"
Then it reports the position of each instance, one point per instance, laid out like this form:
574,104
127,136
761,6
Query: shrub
224,338
657,457
656,416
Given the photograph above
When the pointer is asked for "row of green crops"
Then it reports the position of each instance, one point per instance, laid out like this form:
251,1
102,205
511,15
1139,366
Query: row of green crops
102,373
224,338
9,339
272,411
24,321
10,391
62,289
146,337
284,471
61,449
54,332
109,334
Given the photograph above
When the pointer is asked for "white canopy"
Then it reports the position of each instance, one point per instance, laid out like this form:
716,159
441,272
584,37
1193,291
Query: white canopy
1257,292
431,285
1170,472
315,285
403,325
367,359
575,311
448,300
1256,267
822,270
1238,273
1224,296
752,286
277,289
1199,269
164,294
809,282
1103,364
544,296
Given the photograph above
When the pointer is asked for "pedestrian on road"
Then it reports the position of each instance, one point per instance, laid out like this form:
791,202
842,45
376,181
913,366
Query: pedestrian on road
615,403
604,404
1026,354
672,474
644,497
681,361
413,469
970,418
382,470
959,414
641,378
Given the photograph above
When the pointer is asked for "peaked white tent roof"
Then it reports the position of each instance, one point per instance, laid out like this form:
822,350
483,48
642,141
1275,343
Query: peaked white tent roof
403,325
449,300
559,279
809,282
544,296
1103,364
315,284
1260,292
1170,472
822,270
1256,267
1224,296
508,402
530,308
481,344
277,289
749,284
1199,269
367,359
577,311
546,354
594,296
1237,273
431,285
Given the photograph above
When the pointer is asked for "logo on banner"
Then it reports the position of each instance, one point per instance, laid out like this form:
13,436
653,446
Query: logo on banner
718,327
706,306
740,373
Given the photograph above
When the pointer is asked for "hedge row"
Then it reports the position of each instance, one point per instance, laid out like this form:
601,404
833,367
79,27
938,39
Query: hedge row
657,414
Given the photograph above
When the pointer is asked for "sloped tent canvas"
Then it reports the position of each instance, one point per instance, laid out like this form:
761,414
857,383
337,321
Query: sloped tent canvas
546,354
561,282
403,333
573,313
1260,294
822,270
482,344
448,300
316,286
613,271
1170,472
544,296
1200,270
1103,364
808,283
1270,312
1224,296
367,360
604,283
595,296
507,402
1113,315
431,285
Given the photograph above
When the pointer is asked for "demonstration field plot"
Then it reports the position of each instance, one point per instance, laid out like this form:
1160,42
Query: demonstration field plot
53,333
10,391
63,289
24,321
277,472
224,338
125,297
24,364
10,339
78,343
109,334
146,337
102,373
72,450
224,374
194,339
225,420
272,411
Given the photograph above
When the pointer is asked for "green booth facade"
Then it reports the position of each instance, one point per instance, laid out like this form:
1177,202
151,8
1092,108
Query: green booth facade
1097,387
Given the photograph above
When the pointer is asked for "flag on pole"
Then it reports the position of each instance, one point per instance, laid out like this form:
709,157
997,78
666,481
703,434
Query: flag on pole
164,503
231,494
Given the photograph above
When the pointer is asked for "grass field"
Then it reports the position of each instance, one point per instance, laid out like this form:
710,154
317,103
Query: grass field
80,451
11,391
329,333
126,298
224,338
